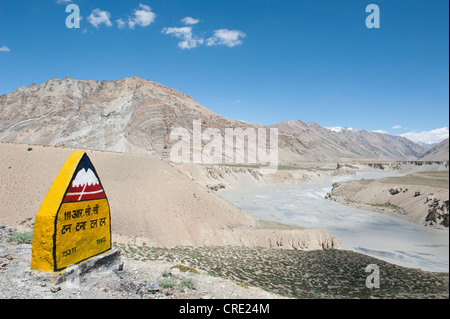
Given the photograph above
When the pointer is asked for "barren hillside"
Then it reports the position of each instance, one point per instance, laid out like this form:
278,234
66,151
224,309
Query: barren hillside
438,152
151,202
137,116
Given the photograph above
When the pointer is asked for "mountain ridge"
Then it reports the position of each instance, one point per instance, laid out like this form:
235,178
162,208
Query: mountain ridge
136,115
437,152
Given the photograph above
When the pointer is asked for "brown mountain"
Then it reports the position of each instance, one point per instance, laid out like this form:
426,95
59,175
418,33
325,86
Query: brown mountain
439,152
135,115
316,142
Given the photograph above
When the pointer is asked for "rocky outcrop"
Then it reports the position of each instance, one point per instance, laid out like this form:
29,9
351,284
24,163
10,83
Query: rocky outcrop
219,177
304,239
418,165
438,213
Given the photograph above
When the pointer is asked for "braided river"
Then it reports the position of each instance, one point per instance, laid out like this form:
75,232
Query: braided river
376,234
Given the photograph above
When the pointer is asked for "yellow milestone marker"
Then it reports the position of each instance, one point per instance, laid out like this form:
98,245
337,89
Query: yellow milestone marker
74,222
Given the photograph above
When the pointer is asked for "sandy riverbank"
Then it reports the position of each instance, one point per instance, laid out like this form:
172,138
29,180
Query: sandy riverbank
420,197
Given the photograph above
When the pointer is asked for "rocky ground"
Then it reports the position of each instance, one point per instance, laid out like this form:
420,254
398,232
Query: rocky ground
217,272
129,278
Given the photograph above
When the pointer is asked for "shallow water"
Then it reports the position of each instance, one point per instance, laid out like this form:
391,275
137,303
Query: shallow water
375,234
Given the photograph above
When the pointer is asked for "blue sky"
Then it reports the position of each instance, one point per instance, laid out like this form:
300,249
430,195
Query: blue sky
262,61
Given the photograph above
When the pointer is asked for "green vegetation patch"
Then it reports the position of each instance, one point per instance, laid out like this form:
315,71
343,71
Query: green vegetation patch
184,268
316,274
167,283
186,283
389,206
21,238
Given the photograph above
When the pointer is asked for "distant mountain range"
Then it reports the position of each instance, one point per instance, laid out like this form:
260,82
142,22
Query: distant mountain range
438,152
135,115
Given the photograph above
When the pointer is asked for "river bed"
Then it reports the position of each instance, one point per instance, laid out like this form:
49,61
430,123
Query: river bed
371,233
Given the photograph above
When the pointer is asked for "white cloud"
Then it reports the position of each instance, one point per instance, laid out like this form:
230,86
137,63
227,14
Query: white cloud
381,131
428,137
120,23
226,37
189,40
396,127
5,49
190,21
98,17
63,1
142,17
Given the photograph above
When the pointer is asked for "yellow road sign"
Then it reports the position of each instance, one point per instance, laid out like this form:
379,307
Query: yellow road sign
74,222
